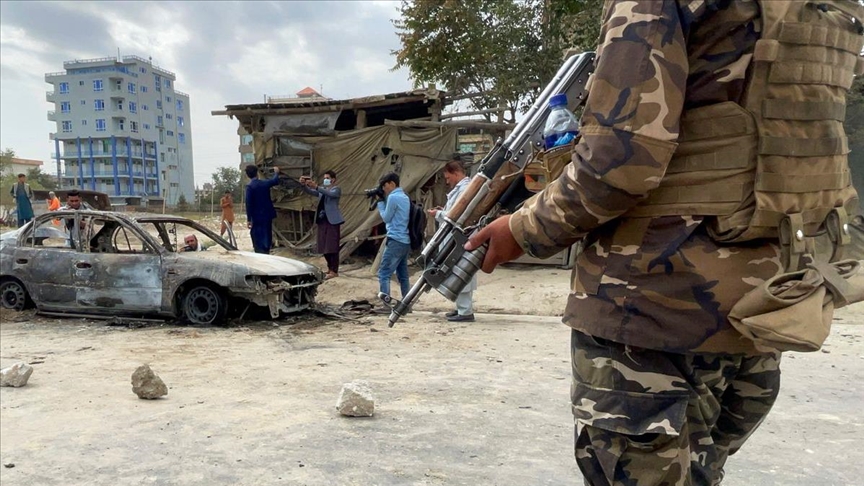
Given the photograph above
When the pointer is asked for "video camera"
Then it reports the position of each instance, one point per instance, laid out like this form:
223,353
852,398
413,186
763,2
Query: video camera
375,194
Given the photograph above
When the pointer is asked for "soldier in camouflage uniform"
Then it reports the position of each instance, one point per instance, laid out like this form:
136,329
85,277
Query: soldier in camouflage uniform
664,389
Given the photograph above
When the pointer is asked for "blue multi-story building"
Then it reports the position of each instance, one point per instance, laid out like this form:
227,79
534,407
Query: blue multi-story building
122,129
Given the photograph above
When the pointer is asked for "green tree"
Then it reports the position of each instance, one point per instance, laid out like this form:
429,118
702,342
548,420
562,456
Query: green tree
41,180
7,178
182,203
504,50
226,179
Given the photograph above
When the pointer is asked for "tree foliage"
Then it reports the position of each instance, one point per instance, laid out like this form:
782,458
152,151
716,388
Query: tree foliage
41,180
504,50
7,177
226,179
182,203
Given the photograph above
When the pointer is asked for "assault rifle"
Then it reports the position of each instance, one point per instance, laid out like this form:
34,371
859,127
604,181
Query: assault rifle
497,187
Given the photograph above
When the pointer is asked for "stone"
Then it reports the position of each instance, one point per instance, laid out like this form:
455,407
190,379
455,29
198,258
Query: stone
356,400
16,375
147,384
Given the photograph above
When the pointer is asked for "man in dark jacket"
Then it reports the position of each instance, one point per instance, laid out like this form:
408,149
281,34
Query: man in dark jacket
259,209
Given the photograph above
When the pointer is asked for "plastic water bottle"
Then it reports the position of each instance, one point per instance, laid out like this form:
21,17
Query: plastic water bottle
561,126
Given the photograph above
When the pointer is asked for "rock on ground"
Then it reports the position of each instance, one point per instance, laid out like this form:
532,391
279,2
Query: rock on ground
147,384
356,400
16,375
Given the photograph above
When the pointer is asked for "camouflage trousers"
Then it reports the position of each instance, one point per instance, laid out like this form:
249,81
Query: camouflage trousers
651,418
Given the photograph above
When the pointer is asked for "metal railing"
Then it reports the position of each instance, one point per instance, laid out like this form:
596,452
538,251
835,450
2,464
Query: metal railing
87,61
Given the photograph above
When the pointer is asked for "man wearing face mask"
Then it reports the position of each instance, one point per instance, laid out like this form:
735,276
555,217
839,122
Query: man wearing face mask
328,218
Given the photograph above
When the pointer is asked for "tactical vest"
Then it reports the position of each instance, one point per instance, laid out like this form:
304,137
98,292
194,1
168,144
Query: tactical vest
783,154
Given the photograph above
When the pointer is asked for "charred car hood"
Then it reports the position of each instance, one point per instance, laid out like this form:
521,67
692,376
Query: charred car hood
256,263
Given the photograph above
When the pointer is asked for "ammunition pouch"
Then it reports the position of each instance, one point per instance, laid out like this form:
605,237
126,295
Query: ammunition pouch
793,311
546,166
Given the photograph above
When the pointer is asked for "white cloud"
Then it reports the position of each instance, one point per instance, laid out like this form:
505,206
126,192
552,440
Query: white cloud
222,52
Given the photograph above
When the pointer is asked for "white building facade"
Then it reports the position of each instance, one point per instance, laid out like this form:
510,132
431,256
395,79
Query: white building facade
122,129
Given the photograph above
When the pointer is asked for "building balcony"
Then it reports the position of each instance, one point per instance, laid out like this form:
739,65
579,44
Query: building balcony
54,75
52,116
50,97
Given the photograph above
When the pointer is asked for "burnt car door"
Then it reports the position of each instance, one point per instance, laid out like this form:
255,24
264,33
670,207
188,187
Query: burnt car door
118,270
44,260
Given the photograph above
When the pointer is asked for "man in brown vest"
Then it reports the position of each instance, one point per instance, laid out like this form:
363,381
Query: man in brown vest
707,123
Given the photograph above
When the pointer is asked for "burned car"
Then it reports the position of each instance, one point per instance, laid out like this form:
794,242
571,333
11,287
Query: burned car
96,262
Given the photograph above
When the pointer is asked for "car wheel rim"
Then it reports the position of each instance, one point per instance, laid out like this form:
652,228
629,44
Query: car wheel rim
202,305
13,296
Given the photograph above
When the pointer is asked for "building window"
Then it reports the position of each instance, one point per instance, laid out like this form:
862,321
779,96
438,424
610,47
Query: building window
144,107
159,121
134,126
67,126
249,158
181,137
133,107
179,105
121,126
146,126
100,124
170,133
84,122
143,89
64,88
168,99
180,122
81,83
142,70
131,87
158,82
167,83
99,105
168,116
65,107
97,85
246,139
83,102
158,104
120,105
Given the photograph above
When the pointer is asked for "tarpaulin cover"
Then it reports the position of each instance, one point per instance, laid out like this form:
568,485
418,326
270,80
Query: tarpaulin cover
358,157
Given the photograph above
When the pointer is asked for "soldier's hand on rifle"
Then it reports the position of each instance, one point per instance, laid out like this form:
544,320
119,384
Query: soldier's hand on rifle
502,246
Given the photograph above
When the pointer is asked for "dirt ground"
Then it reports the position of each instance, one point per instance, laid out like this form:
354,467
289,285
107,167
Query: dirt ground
484,403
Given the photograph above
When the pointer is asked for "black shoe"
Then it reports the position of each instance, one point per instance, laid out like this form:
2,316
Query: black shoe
458,318
451,314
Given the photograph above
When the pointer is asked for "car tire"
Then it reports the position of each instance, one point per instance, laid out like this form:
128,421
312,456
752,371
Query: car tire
13,295
204,305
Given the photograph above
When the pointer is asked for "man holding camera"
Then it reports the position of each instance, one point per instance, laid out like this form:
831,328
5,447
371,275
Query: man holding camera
260,212
394,211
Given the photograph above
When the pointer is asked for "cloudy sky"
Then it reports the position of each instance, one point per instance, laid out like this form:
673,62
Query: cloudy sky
222,52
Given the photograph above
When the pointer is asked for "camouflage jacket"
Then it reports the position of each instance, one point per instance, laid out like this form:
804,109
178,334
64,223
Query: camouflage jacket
658,283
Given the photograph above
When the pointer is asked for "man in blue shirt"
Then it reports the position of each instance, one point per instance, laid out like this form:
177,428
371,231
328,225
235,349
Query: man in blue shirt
394,211
259,209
